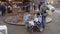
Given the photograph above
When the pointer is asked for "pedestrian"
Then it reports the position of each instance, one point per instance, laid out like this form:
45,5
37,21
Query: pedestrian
28,8
34,7
44,14
3,9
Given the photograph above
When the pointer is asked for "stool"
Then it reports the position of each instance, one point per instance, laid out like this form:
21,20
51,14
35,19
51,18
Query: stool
3,28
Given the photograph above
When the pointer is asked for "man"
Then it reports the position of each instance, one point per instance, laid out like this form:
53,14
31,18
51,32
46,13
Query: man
3,9
44,14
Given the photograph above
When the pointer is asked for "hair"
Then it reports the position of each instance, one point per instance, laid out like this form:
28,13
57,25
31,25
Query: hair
42,2
38,13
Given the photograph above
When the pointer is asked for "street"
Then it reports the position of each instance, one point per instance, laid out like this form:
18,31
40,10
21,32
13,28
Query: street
51,28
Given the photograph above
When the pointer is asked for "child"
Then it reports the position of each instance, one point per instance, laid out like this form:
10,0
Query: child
38,19
27,19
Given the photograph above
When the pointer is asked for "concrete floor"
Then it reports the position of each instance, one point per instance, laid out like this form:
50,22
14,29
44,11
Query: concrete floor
51,28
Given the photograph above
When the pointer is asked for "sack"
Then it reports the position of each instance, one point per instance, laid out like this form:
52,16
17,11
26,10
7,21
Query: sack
49,12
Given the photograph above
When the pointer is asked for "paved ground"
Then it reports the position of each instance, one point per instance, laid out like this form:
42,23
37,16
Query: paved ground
51,28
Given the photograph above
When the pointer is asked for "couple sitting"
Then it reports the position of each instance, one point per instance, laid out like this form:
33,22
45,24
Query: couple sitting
33,21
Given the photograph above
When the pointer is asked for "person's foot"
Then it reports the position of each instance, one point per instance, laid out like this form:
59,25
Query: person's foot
41,29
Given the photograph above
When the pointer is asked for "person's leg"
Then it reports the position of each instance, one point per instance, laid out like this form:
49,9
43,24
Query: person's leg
3,13
43,21
26,25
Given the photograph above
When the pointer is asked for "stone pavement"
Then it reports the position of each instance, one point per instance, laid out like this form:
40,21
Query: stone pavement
51,28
